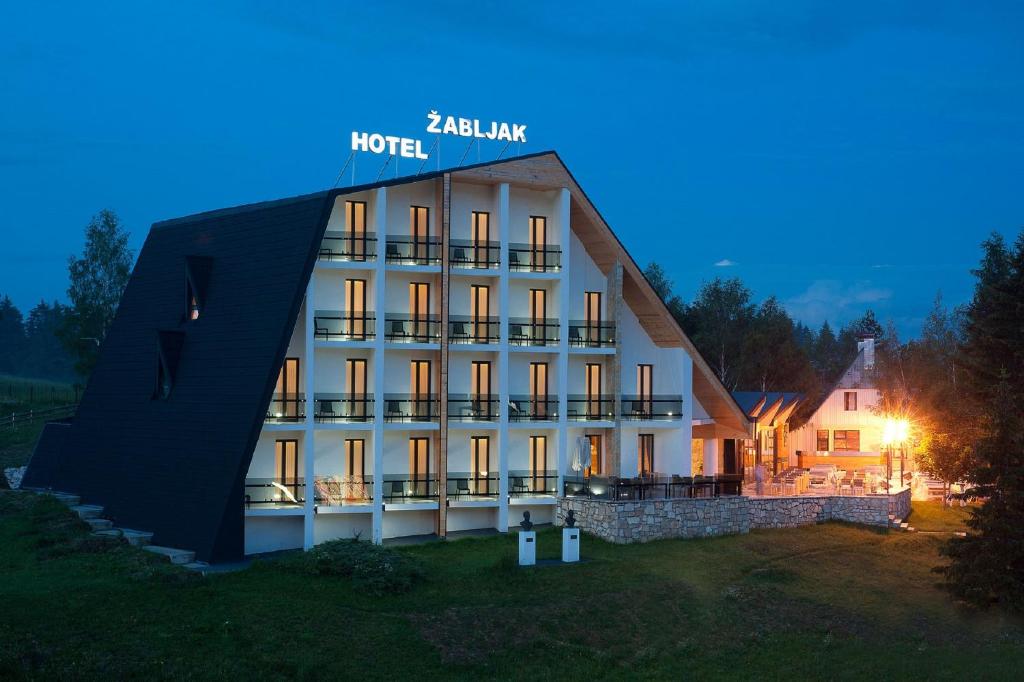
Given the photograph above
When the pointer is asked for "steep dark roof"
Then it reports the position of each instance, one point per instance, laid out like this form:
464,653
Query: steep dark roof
749,400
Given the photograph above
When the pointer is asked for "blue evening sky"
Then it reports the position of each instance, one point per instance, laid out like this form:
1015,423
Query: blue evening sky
837,155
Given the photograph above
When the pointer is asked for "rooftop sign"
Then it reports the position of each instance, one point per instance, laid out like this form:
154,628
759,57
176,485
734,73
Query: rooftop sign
412,148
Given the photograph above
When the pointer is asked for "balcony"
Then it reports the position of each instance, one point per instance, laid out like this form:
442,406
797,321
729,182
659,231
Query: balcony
466,329
650,408
412,328
286,408
471,486
585,334
340,408
463,253
409,251
591,408
464,408
530,258
337,325
525,331
525,408
339,491
411,408
524,483
357,247
404,488
269,493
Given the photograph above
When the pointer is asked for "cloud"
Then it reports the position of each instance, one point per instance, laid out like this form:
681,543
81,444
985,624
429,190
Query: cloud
830,299
725,263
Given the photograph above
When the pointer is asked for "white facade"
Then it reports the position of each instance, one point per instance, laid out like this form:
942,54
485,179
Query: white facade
392,491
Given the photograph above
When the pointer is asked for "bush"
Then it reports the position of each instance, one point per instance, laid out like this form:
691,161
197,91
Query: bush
372,568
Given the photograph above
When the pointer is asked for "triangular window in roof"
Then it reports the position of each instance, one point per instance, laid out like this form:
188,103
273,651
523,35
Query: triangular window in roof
197,282
169,344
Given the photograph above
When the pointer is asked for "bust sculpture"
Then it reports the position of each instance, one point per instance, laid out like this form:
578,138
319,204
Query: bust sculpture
570,519
526,523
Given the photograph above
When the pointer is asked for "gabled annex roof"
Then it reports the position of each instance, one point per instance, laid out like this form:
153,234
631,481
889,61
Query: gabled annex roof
768,407
176,465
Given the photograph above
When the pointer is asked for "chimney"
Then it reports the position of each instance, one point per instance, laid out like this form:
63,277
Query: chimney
867,344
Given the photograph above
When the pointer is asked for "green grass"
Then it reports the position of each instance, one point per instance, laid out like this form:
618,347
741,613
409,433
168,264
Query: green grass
830,601
20,394
937,518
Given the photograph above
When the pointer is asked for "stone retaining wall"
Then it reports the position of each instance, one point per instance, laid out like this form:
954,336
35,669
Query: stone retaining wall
642,521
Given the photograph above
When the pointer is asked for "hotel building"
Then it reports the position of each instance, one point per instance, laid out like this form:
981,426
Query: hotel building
425,355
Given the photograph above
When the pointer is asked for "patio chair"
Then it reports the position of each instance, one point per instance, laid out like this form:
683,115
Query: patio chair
318,329
461,487
513,260
327,410
394,410
459,255
576,337
397,488
519,485
638,408
397,331
392,253
516,334
459,332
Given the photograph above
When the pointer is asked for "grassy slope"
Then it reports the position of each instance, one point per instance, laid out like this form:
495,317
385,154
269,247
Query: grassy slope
16,446
825,601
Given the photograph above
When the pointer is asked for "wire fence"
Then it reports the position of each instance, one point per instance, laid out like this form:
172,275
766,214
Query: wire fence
20,420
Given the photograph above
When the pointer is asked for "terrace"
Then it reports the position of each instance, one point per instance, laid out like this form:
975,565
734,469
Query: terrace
401,328
534,258
652,408
346,246
406,407
338,325
533,408
333,408
478,408
466,254
413,251
466,329
591,407
588,334
525,331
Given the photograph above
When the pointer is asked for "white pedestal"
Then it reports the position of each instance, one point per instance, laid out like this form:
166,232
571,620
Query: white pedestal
570,545
527,547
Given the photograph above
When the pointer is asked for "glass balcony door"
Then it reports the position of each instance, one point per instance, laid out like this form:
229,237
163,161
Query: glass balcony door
645,450
355,384
286,465
480,302
419,310
419,389
539,390
480,389
480,447
594,380
355,308
538,463
355,223
481,239
419,228
592,318
287,390
644,392
419,466
538,242
538,315
596,453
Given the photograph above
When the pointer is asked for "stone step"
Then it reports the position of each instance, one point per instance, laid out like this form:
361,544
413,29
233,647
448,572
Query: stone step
66,498
178,557
87,511
99,524
135,538
197,566
111,533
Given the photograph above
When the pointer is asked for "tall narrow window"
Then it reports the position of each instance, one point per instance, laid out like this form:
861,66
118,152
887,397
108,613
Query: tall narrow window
644,392
480,303
355,384
480,389
596,455
355,458
538,242
419,466
645,449
822,438
850,401
355,308
286,394
286,465
355,224
592,314
419,227
191,302
419,310
539,390
480,448
538,463
538,316
481,239
419,389
594,407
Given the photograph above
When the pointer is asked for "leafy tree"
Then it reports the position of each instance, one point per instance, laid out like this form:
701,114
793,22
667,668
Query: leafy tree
98,278
987,566
12,336
717,322
665,288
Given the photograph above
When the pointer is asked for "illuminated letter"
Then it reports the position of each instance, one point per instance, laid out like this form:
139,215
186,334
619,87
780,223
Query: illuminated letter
518,133
449,126
419,151
392,144
434,119
358,141
493,132
407,148
465,127
376,143
503,133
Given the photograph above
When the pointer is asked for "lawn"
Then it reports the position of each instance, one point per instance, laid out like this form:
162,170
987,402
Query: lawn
17,395
829,601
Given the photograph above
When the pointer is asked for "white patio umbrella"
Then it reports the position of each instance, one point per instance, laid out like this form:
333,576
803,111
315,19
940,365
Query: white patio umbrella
581,455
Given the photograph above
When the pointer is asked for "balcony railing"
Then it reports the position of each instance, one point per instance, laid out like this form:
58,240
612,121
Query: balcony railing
540,258
286,408
525,408
584,334
411,408
653,487
463,253
466,484
412,328
342,407
653,407
338,325
409,251
404,488
466,408
591,408
337,491
525,483
348,246
270,492
525,331
467,329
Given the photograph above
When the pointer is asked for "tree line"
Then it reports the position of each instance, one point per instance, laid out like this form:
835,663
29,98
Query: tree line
61,342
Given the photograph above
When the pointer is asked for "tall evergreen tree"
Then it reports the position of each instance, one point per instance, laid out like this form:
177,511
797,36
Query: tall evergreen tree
45,356
97,280
717,322
12,336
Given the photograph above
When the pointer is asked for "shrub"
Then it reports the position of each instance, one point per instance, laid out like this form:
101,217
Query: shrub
372,568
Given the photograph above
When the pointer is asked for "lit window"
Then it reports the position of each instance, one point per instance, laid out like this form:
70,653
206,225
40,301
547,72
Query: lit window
850,400
848,441
822,440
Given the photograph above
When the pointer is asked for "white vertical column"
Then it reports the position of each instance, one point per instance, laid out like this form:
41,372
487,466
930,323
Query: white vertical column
380,211
686,427
309,445
501,205
564,292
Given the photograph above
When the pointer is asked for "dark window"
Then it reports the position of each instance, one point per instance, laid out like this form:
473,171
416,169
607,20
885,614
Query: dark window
850,400
846,440
168,354
822,445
